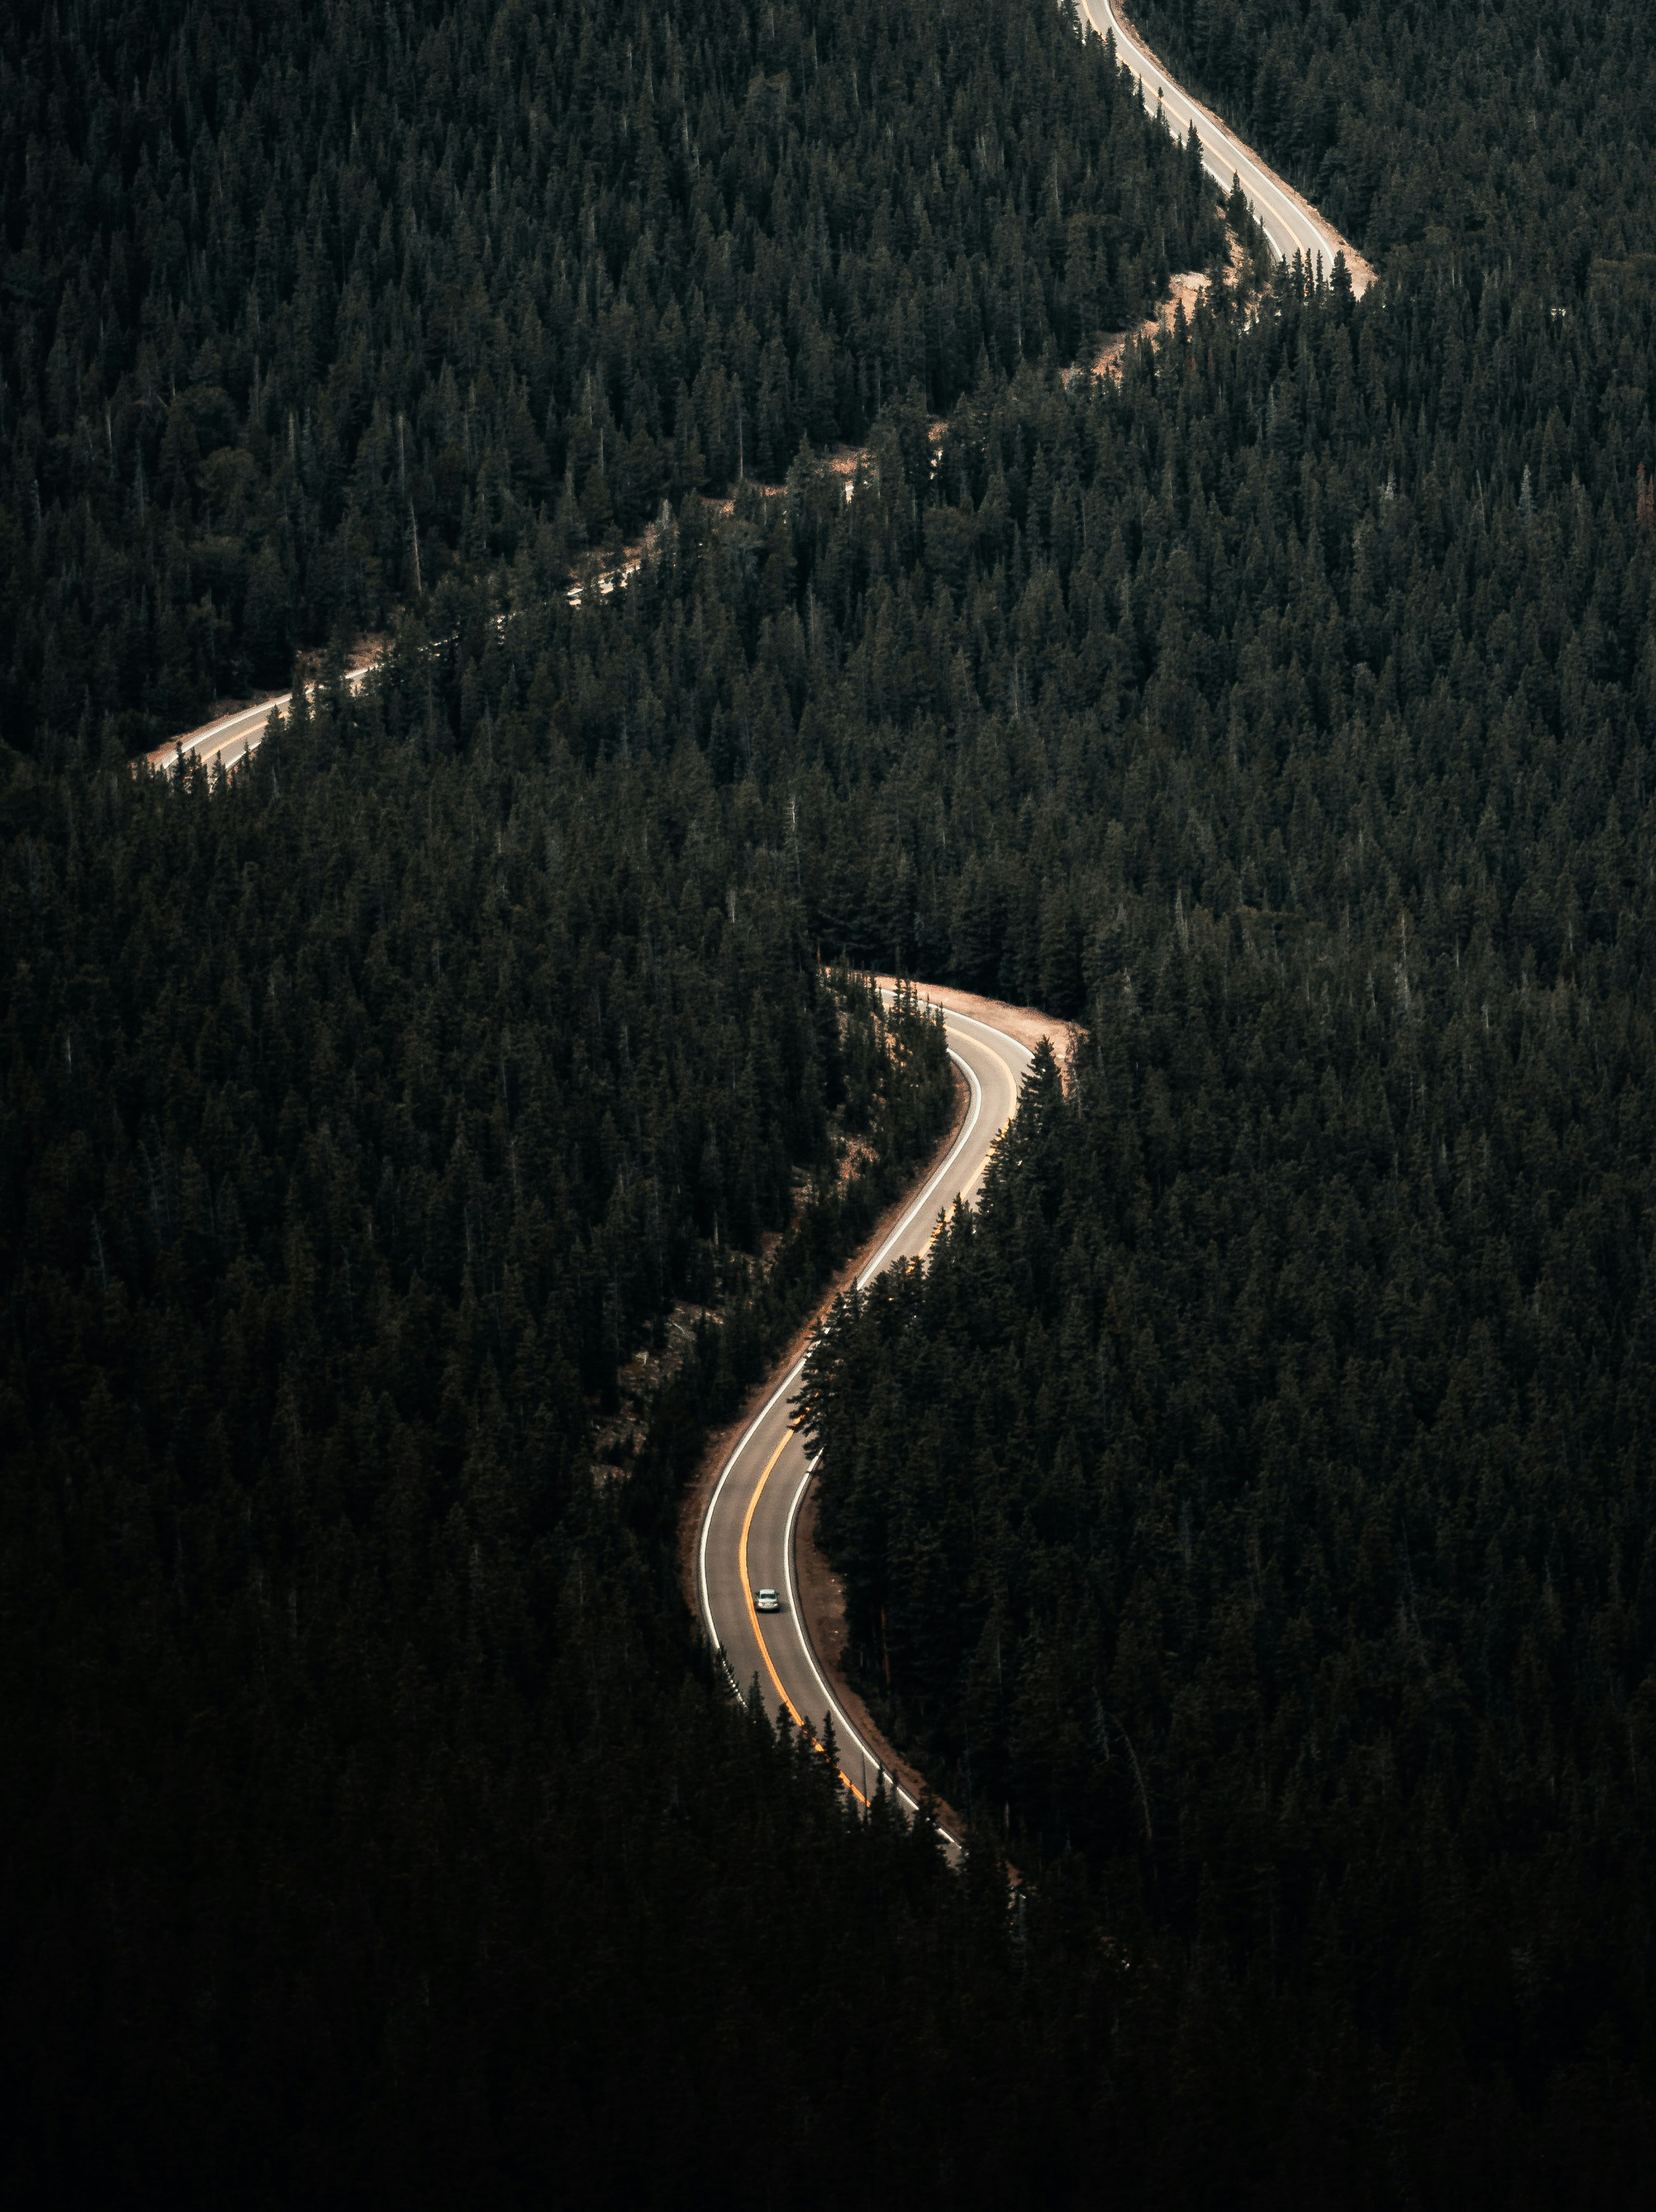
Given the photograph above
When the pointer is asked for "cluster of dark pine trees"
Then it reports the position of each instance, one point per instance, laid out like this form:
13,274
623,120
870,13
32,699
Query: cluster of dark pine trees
1340,612
305,304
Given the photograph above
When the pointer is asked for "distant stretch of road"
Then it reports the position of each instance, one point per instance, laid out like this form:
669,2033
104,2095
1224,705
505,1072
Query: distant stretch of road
1291,226
233,736
747,1534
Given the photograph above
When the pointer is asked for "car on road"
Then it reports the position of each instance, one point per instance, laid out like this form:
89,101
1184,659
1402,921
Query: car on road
767,1601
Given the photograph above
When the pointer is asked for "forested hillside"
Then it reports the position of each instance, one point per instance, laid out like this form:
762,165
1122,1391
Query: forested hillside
1256,1501
361,1119
410,1147
1248,1518
1342,616
306,303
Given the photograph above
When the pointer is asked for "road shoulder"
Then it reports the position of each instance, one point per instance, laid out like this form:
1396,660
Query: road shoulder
822,1616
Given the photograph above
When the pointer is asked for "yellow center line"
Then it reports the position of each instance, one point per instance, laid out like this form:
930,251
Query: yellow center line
798,1717
800,1720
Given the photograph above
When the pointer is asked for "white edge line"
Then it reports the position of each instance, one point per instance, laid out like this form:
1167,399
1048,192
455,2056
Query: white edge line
803,1636
742,1443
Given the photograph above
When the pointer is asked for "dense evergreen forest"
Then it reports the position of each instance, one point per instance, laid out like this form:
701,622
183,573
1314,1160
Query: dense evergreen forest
362,1118
1249,1518
305,304
409,1148
1256,1501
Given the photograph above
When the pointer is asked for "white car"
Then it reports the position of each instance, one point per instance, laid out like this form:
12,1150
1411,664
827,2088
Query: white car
767,1601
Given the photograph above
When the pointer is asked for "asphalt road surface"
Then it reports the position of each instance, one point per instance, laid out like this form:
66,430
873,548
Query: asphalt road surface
747,1534
231,739
1290,226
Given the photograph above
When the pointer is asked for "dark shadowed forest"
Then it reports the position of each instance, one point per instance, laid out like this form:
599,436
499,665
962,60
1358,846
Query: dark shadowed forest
410,1147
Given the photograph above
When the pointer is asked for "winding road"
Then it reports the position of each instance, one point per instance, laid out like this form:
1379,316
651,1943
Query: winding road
1291,224
746,1541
